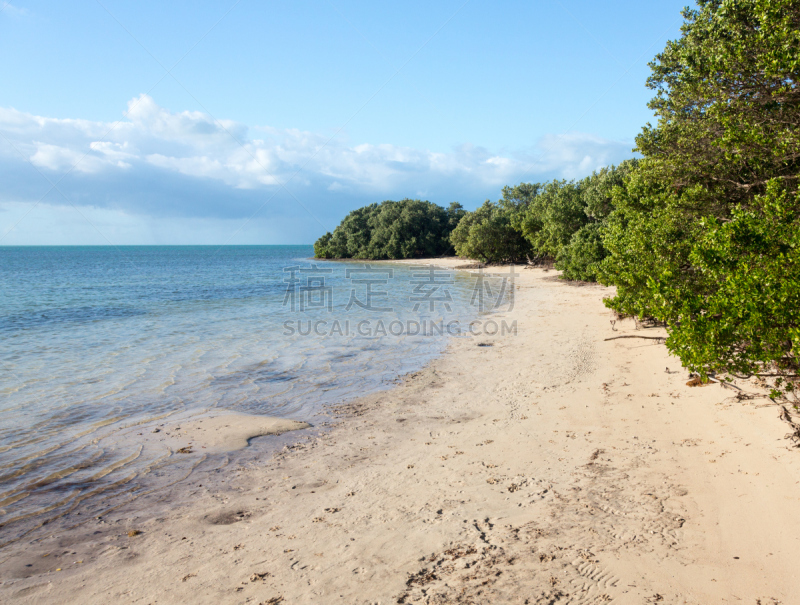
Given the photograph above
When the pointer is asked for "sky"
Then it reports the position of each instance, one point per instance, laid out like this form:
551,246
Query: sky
245,122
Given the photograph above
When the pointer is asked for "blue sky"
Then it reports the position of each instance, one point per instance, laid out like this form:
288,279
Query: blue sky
266,122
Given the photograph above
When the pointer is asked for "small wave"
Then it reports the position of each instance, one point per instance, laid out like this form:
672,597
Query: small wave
49,317
257,374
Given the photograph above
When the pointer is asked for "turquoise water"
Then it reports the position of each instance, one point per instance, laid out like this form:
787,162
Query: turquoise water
96,339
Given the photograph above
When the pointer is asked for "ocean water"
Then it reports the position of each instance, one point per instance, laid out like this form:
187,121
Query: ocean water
94,340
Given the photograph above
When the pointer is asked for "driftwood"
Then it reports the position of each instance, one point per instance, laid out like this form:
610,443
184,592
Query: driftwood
795,434
635,336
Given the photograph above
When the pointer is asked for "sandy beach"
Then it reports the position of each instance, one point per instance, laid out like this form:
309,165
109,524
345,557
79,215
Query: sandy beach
547,466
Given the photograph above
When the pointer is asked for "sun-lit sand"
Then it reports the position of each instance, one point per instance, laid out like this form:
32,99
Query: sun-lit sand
550,466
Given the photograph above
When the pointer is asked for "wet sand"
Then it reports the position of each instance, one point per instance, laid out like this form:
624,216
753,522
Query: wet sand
210,433
550,466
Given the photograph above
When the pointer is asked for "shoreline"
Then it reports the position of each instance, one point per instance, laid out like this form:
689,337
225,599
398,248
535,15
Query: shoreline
551,465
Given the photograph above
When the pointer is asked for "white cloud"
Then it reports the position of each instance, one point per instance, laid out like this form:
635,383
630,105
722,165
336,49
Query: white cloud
55,157
574,155
150,143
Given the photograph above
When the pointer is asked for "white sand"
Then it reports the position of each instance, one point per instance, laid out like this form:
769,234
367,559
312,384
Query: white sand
551,467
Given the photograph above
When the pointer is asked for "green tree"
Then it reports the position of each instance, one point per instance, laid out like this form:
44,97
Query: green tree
580,258
752,317
564,220
598,189
552,216
322,247
488,235
408,229
390,230
455,212
703,234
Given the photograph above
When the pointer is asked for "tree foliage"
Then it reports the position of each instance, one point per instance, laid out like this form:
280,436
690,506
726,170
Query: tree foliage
487,234
553,216
752,316
564,220
580,258
703,235
391,230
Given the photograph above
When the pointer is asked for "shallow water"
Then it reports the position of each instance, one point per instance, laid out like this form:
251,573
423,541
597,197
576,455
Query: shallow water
94,340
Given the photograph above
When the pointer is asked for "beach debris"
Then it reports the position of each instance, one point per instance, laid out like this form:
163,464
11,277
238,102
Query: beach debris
259,576
458,553
794,436
421,578
185,450
272,601
187,576
156,430
134,532
228,517
696,381
513,487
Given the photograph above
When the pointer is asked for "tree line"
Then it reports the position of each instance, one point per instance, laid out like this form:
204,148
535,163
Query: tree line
700,233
